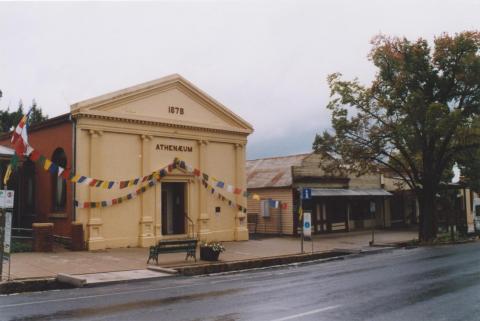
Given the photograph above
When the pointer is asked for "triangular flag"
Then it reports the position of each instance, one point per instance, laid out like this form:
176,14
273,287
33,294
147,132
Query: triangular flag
47,164
53,168
34,156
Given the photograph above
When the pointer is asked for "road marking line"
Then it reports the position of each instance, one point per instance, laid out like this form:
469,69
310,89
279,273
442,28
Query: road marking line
119,293
93,296
307,313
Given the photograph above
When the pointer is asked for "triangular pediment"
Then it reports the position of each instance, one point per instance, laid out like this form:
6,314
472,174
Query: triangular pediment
169,100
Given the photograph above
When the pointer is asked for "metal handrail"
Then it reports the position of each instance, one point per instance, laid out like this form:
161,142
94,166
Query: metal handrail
21,229
17,231
193,226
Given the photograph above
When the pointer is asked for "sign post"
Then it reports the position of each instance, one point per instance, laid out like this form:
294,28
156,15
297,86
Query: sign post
373,217
6,202
306,194
7,240
307,226
2,238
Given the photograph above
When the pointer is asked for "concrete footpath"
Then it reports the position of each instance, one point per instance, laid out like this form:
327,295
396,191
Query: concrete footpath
61,261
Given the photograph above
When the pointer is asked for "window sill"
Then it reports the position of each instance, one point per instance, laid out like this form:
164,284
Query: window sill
57,215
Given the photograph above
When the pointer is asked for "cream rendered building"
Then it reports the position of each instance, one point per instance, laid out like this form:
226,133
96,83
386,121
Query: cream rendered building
132,132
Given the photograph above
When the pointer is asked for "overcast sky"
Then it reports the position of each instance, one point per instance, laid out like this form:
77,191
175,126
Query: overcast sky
266,60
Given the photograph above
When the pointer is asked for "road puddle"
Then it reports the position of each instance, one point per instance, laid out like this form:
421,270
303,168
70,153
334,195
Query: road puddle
124,307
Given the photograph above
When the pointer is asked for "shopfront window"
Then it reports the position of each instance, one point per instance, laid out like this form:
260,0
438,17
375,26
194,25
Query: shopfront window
59,186
360,209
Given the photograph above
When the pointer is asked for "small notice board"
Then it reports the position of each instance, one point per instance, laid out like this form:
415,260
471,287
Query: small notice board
6,198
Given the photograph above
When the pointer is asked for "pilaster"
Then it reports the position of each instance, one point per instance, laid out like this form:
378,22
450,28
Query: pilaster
203,219
147,200
95,240
241,230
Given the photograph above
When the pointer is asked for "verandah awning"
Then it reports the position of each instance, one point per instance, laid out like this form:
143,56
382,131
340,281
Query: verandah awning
349,192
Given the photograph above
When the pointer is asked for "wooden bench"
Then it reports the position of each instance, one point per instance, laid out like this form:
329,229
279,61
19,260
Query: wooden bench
173,246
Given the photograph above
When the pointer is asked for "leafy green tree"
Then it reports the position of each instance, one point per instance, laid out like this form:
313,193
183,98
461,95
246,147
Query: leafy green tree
419,113
36,115
469,165
8,119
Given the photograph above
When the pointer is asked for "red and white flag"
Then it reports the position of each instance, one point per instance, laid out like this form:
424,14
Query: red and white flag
20,137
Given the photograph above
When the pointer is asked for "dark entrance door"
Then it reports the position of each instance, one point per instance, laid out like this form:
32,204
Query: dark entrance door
336,214
173,208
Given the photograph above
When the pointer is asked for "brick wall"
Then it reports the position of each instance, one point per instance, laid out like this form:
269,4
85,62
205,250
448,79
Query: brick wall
46,138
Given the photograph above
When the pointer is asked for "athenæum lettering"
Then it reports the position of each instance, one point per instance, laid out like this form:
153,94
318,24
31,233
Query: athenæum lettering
174,148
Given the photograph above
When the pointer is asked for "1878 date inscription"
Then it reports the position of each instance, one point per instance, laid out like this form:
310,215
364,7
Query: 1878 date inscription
176,110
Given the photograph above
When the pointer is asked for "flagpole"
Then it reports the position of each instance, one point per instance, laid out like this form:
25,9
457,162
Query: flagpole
10,251
4,225
18,134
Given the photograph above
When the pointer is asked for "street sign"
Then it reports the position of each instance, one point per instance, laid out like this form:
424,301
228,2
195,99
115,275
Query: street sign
307,224
6,198
306,193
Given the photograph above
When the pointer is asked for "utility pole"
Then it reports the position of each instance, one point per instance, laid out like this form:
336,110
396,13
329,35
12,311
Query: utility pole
373,216
300,218
2,234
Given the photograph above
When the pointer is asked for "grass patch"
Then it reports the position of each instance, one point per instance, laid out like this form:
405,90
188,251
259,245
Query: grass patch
21,246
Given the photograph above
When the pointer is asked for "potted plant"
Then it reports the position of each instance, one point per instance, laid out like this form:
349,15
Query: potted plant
209,251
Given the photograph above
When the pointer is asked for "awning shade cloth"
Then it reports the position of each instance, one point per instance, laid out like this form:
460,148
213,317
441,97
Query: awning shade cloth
6,151
349,192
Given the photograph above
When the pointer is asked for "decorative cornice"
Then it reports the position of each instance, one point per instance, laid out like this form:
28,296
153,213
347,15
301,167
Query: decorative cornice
211,138
165,124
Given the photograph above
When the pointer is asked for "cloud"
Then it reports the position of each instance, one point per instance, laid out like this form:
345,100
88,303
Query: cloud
265,60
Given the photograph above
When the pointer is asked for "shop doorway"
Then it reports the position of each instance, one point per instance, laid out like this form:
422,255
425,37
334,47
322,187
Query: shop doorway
173,208
320,218
336,209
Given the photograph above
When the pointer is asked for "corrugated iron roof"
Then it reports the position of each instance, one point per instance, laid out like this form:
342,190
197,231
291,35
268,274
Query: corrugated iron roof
272,171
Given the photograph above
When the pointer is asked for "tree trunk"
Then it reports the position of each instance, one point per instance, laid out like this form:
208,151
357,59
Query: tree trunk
428,216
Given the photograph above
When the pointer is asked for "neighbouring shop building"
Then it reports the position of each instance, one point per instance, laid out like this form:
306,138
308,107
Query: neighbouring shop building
455,204
343,203
338,203
130,133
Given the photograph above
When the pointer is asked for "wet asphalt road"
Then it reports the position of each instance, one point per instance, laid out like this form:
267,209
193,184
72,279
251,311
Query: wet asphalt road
439,283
